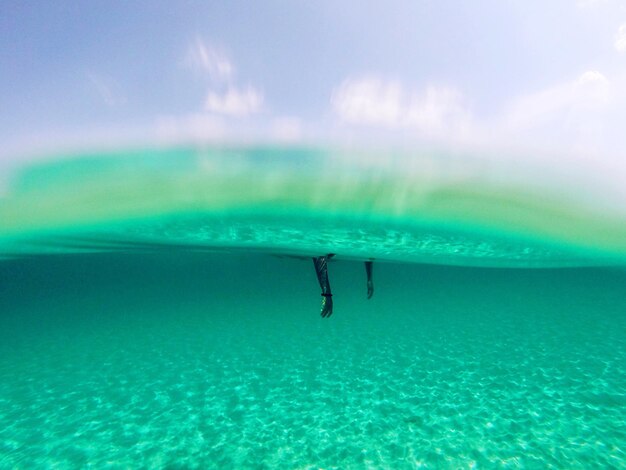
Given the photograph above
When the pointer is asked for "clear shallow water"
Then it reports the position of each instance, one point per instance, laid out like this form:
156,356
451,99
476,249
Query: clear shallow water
188,360
152,314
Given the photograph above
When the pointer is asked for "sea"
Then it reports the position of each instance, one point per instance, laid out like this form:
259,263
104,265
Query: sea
159,308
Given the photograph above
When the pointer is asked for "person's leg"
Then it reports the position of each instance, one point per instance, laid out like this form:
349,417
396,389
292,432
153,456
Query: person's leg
321,269
370,282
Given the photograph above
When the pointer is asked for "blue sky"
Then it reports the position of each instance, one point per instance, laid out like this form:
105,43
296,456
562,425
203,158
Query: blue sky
547,75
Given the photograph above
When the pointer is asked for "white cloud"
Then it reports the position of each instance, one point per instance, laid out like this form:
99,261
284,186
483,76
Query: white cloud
438,111
196,127
207,59
368,101
592,76
569,104
234,102
620,39
223,96
581,115
433,112
286,129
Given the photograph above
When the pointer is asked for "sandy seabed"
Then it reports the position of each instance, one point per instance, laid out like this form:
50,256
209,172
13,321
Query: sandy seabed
222,361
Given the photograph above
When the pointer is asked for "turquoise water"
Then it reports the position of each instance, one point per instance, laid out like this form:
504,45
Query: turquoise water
222,361
159,309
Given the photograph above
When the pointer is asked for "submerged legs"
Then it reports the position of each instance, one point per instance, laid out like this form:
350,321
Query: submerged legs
321,269
370,282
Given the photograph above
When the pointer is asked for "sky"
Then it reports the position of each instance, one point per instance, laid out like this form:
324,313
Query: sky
548,76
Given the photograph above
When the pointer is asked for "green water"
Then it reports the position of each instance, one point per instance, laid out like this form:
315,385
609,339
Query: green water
152,316
222,361
435,208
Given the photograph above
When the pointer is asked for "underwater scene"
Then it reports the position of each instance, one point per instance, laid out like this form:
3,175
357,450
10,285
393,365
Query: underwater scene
160,309
312,235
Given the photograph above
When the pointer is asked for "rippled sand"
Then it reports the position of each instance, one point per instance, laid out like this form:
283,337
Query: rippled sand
193,361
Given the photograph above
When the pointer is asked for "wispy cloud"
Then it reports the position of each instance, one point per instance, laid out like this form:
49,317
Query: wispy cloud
578,114
107,89
368,101
572,114
620,39
234,102
372,101
565,102
224,96
210,61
